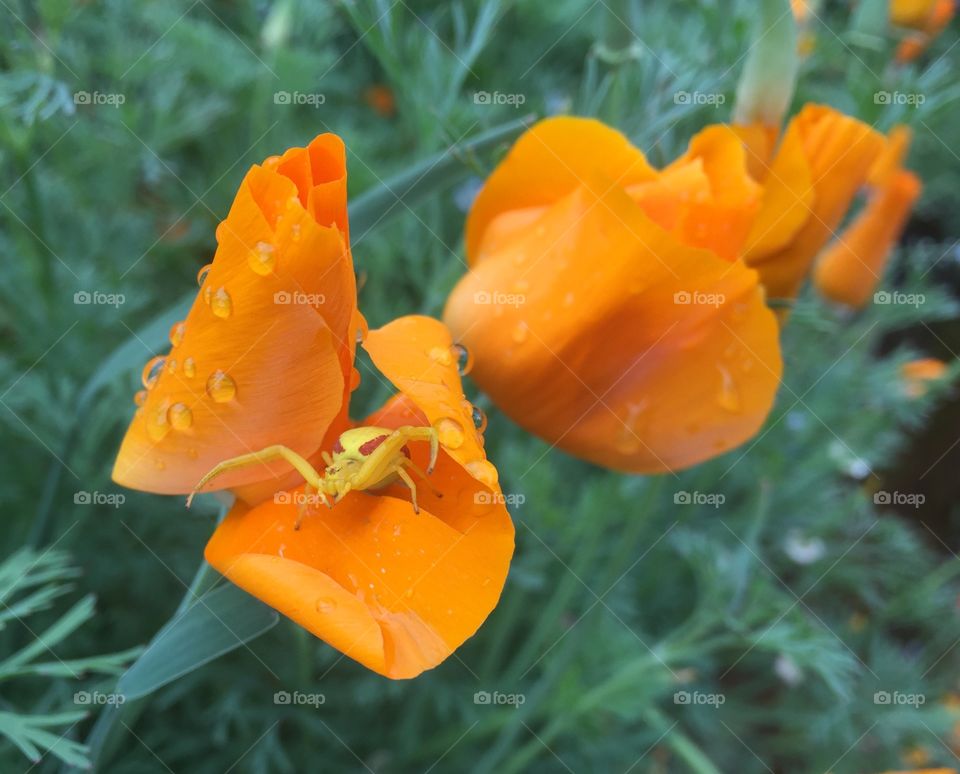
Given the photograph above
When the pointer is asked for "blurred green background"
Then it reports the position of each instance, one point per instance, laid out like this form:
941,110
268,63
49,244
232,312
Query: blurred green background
798,602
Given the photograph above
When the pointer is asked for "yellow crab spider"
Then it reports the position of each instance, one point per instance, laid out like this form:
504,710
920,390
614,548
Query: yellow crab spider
362,458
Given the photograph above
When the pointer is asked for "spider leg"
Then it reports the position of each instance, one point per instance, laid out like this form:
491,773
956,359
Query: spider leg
417,469
327,459
430,434
263,456
405,477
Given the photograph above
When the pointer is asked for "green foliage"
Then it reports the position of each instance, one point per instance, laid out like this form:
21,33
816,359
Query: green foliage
796,601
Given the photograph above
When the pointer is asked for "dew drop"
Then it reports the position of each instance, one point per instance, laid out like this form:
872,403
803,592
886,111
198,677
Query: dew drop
262,258
220,303
728,398
442,355
189,368
157,424
295,232
520,332
325,605
140,397
479,418
450,432
221,387
171,366
180,417
484,472
202,274
192,453
176,333
152,371
464,359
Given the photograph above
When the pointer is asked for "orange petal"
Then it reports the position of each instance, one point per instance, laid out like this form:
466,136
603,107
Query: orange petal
839,152
850,270
917,373
262,356
911,13
394,590
601,355
549,161
417,355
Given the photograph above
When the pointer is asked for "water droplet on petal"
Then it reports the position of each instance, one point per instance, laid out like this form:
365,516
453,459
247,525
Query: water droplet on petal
189,368
176,333
262,258
157,424
204,271
728,398
325,604
192,453
464,359
221,387
484,472
479,419
171,366
520,332
220,303
180,417
152,371
295,232
442,355
140,397
450,432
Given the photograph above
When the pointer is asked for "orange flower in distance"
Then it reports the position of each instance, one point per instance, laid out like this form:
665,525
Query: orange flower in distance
917,373
381,99
265,358
604,305
823,159
928,17
397,591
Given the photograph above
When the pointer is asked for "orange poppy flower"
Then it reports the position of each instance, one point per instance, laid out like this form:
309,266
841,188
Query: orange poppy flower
823,159
917,373
266,357
929,17
604,305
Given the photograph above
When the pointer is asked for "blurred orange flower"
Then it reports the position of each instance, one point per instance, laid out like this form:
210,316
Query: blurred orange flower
266,356
605,305
927,18
917,373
